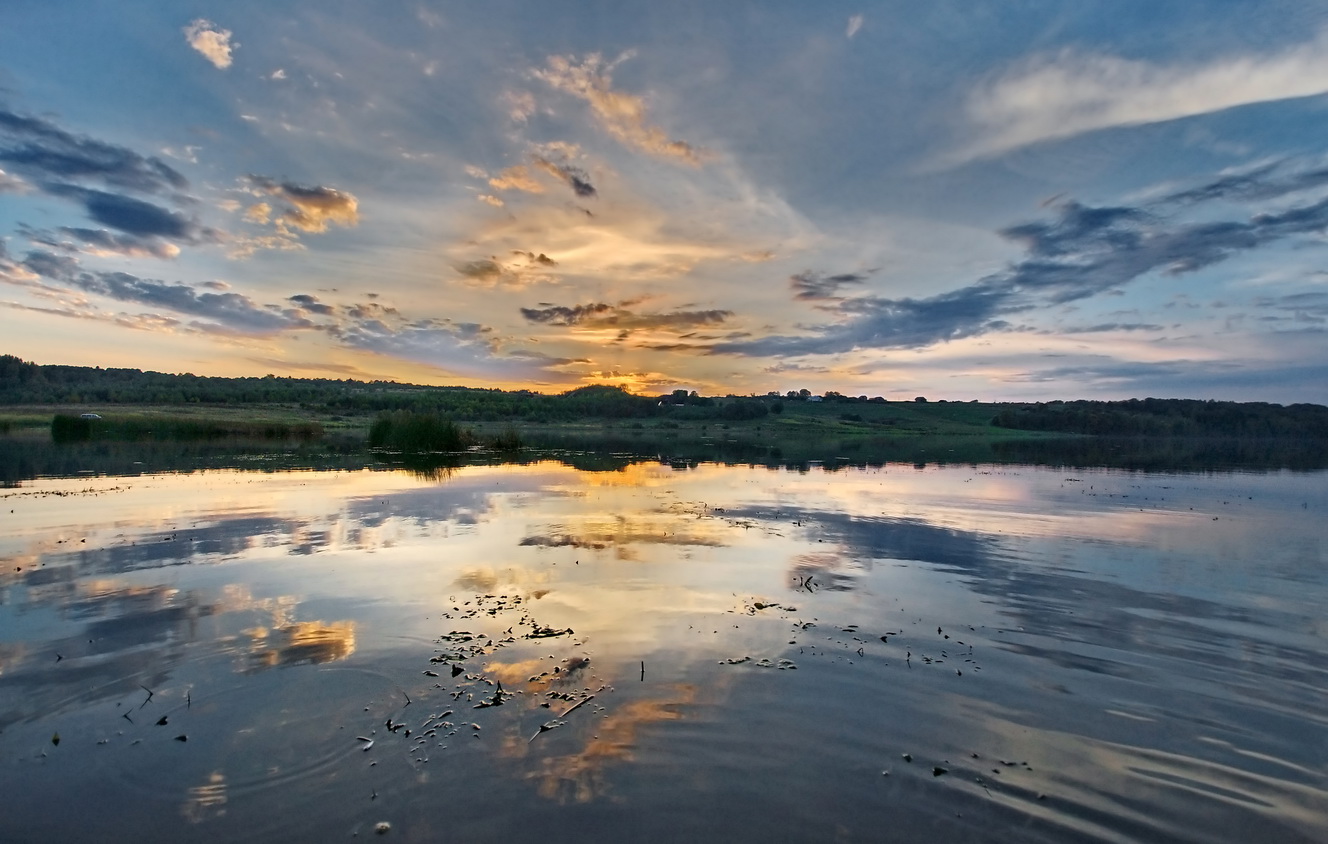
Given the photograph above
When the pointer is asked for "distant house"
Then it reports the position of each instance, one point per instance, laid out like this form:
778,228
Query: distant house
90,416
813,398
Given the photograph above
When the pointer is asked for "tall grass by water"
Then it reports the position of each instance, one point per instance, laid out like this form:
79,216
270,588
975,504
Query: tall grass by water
410,432
70,428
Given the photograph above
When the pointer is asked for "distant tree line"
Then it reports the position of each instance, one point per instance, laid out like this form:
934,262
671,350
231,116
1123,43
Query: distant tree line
23,382
1169,418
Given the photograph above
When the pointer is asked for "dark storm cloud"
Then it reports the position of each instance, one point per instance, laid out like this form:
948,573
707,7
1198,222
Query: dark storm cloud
575,178
1082,252
813,286
42,150
135,216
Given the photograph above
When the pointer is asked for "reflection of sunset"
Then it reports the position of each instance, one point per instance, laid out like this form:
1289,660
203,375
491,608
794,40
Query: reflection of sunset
580,777
680,585
313,642
208,800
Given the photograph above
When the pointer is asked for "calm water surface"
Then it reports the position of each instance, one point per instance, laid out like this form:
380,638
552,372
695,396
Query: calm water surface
535,653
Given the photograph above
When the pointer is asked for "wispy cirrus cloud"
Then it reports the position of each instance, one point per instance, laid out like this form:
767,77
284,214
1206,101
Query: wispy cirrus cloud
1051,97
620,114
211,41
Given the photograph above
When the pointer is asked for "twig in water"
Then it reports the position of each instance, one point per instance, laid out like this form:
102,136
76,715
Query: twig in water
575,705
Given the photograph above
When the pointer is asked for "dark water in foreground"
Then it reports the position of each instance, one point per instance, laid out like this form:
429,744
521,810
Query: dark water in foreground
713,653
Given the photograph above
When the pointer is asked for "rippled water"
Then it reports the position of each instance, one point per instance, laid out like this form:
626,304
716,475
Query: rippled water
536,653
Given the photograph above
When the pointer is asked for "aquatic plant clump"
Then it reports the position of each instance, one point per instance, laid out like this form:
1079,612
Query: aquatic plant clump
407,431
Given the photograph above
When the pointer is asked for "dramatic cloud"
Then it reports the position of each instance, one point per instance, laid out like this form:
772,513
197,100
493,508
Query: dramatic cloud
598,315
562,315
483,270
306,302
521,268
135,216
1082,253
309,209
213,42
1265,181
465,349
576,178
1308,308
1069,93
516,178
12,184
812,286
1109,327
621,115
555,159
229,311
101,242
44,152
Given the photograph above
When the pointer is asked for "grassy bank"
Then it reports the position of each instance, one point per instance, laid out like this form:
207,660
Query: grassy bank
796,420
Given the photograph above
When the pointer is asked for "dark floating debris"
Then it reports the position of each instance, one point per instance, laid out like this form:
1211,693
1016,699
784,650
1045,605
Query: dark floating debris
548,632
182,737
161,722
55,739
938,771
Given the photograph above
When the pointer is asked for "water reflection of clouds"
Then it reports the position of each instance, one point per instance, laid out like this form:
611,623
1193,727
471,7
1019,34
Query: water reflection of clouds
580,777
311,642
1069,577
594,532
129,636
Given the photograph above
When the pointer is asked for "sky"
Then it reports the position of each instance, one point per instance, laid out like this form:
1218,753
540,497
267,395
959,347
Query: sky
1024,200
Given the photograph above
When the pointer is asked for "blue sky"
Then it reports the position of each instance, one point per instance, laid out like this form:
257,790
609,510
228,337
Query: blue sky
1017,200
